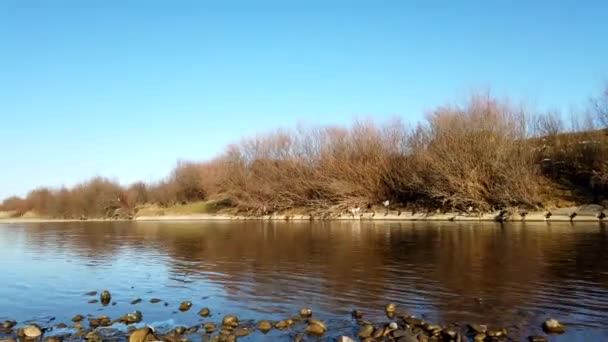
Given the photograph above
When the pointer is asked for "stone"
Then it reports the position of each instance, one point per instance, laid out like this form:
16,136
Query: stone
185,306
477,328
105,297
305,313
136,301
61,325
553,326
209,327
77,318
408,338
357,314
155,300
241,332
412,321
264,326
537,339
230,321
317,322
365,331
345,339
8,324
93,336
191,330
53,339
391,308
496,332
315,329
32,331
78,325
204,312
479,337
142,335
282,325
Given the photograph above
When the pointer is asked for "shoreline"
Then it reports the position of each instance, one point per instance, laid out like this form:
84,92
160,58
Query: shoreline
561,215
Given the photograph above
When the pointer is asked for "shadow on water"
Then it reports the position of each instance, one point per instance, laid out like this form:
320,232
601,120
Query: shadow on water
514,274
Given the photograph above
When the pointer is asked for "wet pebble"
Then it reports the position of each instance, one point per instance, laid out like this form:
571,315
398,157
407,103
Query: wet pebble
204,312
155,300
241,332
142,334
53,339
264,326
77,318
315,329
305,313
185,306
136,301
209,327
553,326
9,324
105,297
537,339
32,331
230,321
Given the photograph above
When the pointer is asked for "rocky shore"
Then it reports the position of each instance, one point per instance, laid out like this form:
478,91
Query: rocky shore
398,326
584,213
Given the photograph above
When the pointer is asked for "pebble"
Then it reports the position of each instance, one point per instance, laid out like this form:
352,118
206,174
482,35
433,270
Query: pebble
32,331
553,326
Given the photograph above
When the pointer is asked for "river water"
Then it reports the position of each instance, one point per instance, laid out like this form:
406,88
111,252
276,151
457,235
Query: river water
514,275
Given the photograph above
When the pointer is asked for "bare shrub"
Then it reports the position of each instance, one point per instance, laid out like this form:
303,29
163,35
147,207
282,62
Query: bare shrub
475,155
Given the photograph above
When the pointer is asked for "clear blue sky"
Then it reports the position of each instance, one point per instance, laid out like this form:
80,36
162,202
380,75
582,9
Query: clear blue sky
120,89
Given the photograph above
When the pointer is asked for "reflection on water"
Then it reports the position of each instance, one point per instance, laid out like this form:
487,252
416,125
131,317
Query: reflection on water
513,275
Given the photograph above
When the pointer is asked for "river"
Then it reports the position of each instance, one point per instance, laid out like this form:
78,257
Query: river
512,275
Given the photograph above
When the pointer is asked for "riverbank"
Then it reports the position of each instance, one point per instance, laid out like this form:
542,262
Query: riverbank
586,213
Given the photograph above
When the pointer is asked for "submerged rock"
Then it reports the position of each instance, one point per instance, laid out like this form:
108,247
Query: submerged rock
553,326
537,339
315,329
9,324
77,318
136,301
204,312
356,314
241,332
53,339
155,300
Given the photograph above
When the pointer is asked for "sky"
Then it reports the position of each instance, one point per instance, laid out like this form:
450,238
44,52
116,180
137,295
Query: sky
124,89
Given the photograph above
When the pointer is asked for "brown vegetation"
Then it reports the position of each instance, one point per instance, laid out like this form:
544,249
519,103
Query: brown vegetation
486,154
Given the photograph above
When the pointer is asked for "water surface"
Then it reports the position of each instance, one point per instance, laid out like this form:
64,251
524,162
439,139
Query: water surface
512,275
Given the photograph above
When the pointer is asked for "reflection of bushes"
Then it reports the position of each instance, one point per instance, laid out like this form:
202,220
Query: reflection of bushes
482,154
